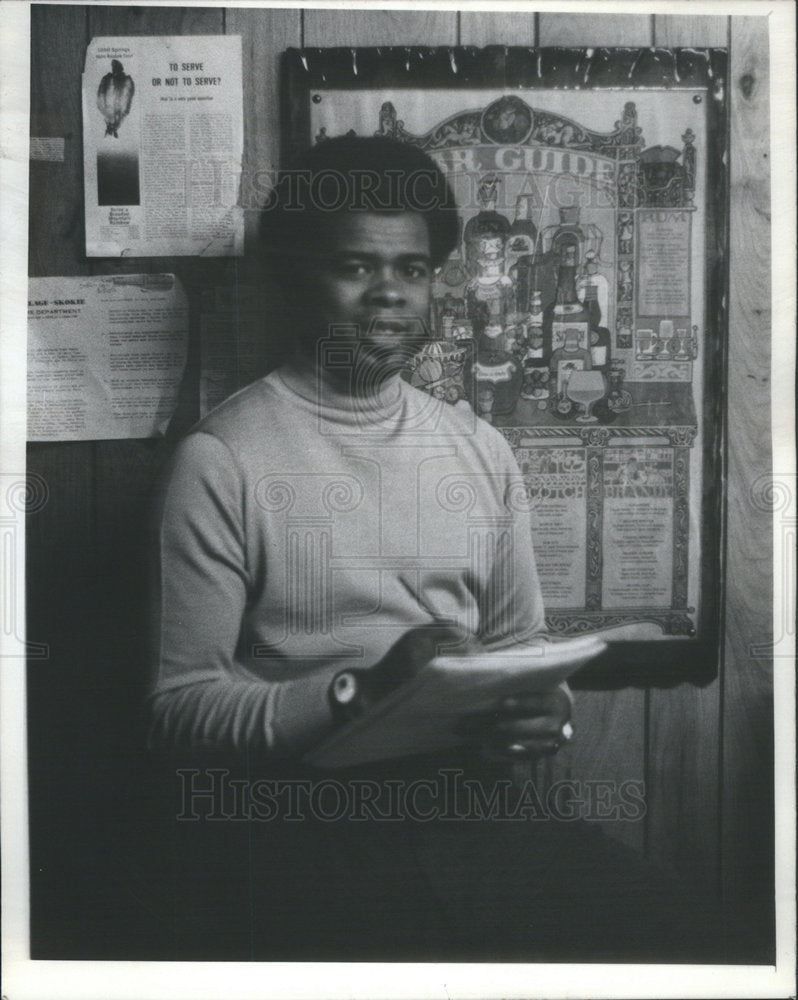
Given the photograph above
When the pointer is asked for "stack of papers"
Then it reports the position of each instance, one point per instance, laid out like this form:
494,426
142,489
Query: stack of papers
420,716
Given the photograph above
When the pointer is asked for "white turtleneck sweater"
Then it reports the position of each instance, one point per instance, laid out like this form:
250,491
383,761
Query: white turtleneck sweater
303,530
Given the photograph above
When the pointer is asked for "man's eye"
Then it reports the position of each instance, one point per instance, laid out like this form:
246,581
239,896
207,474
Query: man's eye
416,270
353,268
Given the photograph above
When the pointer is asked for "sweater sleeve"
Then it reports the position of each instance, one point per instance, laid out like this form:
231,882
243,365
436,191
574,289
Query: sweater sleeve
200,695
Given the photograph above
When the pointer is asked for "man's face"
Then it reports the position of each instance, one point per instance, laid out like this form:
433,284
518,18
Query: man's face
374,282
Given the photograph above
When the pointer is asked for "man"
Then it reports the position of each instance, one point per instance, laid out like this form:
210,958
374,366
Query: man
234,666
323,534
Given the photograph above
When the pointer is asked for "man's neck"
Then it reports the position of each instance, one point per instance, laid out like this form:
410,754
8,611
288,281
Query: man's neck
341,380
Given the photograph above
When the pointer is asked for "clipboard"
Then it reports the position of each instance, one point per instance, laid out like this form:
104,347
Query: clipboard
420,715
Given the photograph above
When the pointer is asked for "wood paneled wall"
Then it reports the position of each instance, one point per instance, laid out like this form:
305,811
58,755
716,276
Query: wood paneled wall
703,755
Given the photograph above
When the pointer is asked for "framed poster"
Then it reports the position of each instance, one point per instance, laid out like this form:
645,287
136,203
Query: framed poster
584,303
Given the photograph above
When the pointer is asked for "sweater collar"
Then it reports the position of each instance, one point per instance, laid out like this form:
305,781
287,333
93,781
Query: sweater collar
301,378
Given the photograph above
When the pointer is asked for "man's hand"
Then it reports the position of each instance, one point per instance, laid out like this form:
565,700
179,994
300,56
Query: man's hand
527,725
355,691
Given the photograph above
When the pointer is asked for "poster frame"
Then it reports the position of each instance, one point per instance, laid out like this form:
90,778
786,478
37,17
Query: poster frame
641,663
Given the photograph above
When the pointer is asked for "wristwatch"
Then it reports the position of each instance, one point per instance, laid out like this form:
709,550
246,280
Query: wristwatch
345,696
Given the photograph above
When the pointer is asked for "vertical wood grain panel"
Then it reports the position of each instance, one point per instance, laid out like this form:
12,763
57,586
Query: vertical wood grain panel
380,27
595,29
680,30
501,28
60,547
56,189
62,749
608,749
264,35
60,536
683,783
155,20
748,745
683,740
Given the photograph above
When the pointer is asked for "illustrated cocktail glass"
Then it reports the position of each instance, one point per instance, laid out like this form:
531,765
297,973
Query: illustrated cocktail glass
646,343
665,338
681,344
586,387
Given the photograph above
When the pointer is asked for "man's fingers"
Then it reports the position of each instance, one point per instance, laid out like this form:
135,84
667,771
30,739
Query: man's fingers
538,715
476,724
535,703
423,643
414,650
534,728
524,749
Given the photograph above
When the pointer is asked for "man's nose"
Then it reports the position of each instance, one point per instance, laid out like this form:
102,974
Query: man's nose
386,288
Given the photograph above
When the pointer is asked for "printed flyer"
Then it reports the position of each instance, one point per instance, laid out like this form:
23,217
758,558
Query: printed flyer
163,138
105,356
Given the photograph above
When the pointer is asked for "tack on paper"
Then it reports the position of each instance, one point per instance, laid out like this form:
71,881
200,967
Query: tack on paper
105,356
163,137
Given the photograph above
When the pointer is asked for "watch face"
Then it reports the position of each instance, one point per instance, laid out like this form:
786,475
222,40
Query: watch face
344,688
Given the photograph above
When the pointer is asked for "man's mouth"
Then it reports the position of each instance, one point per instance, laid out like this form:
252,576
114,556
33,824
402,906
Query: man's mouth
388,326
382,329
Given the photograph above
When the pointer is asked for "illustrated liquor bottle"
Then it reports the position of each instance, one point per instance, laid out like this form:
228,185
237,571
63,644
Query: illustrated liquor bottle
489,294
447,311
523,233
520,251
569,233
590,278
487,223
488,301
599,335
566,314
536,326
498,378
564,360
537,354
452,275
